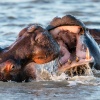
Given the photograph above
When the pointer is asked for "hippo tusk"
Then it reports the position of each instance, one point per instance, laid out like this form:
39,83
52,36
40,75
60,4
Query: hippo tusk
87,54
69,61
77,59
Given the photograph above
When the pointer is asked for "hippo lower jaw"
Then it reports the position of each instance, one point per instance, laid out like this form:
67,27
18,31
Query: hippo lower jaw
74,64
78,67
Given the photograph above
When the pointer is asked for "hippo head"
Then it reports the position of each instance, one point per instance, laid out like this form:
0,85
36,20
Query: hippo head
35,43
75,56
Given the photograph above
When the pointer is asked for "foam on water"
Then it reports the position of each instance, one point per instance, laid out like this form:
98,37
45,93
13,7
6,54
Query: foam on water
82,80
92,79
48,72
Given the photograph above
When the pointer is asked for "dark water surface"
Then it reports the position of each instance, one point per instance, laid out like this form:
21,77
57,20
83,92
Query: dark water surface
15,15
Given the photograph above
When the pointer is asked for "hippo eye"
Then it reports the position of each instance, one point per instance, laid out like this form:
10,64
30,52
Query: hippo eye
13,67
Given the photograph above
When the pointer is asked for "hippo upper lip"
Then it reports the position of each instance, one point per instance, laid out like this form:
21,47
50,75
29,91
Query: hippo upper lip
68,20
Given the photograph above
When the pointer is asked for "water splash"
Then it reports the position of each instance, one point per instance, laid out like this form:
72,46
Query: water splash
49,71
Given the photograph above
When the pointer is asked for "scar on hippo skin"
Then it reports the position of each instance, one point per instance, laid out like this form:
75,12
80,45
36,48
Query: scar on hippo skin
67,31
93,48
8,69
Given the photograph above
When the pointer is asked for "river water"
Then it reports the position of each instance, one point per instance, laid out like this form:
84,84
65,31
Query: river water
15,15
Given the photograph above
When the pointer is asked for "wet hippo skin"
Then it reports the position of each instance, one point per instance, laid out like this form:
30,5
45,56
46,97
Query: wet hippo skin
92,40
36,45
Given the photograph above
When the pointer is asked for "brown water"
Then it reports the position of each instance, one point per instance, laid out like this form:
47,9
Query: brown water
15,15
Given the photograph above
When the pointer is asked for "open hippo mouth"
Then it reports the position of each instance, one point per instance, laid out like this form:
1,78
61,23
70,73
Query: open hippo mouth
75,57
78,66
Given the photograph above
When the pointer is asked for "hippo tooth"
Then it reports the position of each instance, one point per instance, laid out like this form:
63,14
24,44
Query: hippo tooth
69,61
77,59
87,54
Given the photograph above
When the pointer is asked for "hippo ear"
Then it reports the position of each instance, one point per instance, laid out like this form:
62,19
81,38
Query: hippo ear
31,28
21,33
54,23
67,20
